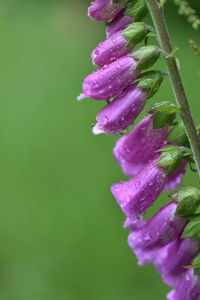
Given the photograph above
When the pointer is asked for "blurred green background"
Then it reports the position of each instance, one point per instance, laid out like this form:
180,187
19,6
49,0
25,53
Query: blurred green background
61,235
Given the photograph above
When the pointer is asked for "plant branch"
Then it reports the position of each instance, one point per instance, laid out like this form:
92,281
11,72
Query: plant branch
157,15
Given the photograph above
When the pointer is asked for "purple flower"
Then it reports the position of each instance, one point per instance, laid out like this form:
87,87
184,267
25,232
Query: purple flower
187,289
171,259
119,44
111,49
134,150
137,194
103,10
120,22
121,112
161,229
175,179
111,80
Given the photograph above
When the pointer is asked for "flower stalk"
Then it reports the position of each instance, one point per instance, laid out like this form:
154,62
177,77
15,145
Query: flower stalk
158,18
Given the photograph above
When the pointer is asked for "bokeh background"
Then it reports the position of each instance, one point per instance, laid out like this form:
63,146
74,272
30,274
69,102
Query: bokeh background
61,235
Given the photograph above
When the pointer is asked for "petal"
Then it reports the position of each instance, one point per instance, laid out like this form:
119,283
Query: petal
161,229
137,194
175,179
188,288
111,80
122,111
120,22
103,10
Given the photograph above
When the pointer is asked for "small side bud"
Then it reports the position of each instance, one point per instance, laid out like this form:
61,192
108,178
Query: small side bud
189,200
171,159
137,9
150,81
178,135
164,113
146,56
136,32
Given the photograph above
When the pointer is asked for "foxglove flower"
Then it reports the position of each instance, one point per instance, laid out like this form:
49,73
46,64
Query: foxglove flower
104,10
119,44
120,22
134,150
121,112
187,289
112,79
137,194
171,259
161,229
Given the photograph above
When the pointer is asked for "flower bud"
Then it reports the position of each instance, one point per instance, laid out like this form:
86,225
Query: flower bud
188,288
146,56
119,44
137,9
119,23
121,112
137,194
161,229
104,10
189,200
111,80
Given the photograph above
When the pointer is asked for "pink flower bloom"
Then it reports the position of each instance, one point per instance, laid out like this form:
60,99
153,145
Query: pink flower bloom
110,50
171,259
111,80
133,151
187,289
120,22
103,10
137,194
121,112
161,229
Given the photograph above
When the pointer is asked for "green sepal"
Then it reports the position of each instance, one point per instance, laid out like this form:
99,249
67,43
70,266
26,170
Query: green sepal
195,217
136,32
171,159
178,135
146,56
189,200
191,230
164,113
137,10
150,81
195,265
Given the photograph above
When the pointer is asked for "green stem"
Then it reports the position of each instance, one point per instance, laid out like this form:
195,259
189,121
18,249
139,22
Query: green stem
157,15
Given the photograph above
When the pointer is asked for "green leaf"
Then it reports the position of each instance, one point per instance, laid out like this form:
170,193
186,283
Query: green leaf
161,119
191,230
189,200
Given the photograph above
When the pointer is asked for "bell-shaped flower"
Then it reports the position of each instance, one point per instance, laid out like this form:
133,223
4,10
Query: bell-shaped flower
120,22
104,10
133,151
171,259
137,194
188,288
164,227
121,112
119,44
112,79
